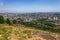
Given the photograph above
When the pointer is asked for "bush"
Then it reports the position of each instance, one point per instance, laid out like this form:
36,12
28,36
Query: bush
1,20
14,21
8,21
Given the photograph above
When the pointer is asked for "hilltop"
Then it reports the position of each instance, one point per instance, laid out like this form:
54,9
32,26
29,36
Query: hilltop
25,33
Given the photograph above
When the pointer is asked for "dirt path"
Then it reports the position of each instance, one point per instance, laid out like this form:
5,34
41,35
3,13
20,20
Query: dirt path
37,35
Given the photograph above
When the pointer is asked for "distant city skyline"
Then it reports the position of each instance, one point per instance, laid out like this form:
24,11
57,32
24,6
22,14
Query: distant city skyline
22,6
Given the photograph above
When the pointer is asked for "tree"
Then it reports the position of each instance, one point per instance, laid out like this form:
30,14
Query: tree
14,21
8,21
1,20
20,21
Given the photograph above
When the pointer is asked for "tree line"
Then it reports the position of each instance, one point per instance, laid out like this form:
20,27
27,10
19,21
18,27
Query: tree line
8,21
38,24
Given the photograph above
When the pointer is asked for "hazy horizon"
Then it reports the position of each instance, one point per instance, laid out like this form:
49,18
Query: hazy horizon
23,6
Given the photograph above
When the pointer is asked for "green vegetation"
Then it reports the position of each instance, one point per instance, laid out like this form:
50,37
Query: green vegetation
8,32
44,25
5,32
14,21
8,21
41,24
1,20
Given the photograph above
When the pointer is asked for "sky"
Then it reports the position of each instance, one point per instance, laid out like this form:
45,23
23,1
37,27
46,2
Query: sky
22,6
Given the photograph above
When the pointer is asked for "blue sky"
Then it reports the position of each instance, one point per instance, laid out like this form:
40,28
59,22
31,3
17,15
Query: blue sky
29,6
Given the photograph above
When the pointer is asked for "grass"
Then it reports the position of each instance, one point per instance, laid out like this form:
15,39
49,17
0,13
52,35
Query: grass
10,32
16,33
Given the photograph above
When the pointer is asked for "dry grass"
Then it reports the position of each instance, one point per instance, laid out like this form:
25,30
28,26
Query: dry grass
24,33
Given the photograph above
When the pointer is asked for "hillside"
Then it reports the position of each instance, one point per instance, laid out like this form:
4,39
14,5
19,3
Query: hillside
25,33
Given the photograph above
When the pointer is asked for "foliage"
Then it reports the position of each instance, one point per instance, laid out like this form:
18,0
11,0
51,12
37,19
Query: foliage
8,21
14,21
1,20
20,21
43,24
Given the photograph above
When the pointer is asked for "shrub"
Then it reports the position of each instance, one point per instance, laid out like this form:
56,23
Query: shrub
8,21
1,20
14,21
